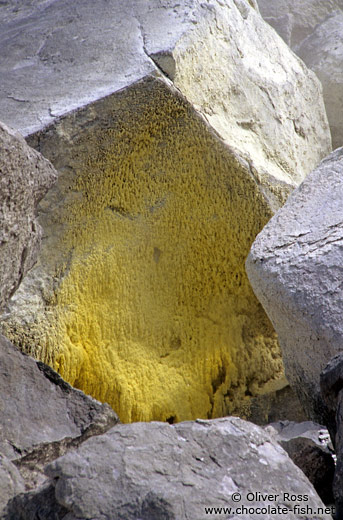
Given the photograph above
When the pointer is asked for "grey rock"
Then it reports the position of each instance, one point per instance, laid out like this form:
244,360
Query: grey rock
11,481
331,383
41,416
314,31
295,268
25,177
322,51
302,441
157,471
294,20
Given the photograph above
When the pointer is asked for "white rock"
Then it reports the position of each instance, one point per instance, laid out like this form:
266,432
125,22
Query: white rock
295,267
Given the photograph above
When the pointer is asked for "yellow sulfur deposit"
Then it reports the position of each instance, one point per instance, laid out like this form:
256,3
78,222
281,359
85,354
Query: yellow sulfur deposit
153,312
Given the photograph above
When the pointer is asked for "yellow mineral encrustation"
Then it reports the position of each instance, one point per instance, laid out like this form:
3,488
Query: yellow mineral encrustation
153,312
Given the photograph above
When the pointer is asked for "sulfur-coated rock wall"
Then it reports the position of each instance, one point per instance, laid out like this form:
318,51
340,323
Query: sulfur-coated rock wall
152,311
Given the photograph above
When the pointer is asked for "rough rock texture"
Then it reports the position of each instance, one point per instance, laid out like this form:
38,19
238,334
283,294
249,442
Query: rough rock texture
295,267
217,54
25,177
331,383
141,297
303,443
11,482
322,51
41,417
159,471
314,30
294,20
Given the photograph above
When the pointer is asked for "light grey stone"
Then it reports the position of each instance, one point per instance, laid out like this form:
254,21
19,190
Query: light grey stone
41,416
322,51
156,471
295,267
314,30
294,20
25,177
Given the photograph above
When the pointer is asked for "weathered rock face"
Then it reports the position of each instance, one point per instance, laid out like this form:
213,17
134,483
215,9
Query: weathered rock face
294,20
25,176
47,411
295,268
140,297
322,51
314,30
158,471
218,55
41,417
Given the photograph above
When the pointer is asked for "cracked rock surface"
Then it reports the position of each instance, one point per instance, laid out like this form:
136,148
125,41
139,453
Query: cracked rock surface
57,57
157,471
295,268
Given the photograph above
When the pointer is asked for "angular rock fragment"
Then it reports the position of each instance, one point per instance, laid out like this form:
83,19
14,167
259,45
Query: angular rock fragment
295,267
182,144
314,30
41,416
175,472
25,177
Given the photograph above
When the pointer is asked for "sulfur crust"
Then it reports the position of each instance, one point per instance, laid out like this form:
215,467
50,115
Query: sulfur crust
154,313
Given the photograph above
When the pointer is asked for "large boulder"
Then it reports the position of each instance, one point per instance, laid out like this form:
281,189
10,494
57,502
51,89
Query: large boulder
159,471
295,267
183,142
41,418
314,30
322,51
25,177
294,20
